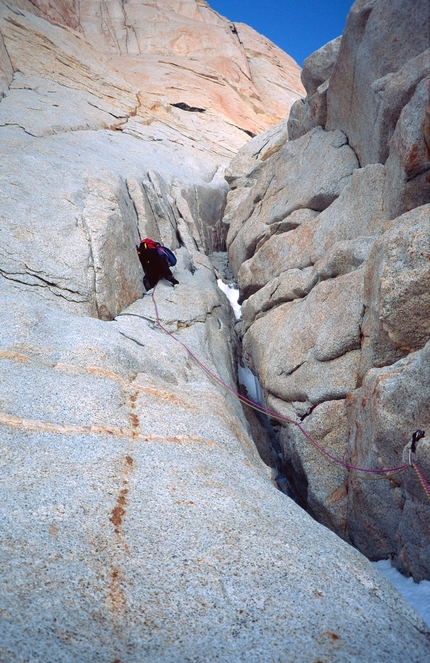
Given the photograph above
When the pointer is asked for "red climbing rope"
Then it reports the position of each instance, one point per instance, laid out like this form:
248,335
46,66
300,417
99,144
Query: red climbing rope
422,480
350,468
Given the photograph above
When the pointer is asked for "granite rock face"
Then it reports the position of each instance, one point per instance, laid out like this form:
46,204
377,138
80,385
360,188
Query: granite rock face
392,401
408,164
334,288
138,519
196,74
380,38
318,67
396,296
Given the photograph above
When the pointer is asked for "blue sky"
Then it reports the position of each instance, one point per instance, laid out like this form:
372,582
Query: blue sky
299,27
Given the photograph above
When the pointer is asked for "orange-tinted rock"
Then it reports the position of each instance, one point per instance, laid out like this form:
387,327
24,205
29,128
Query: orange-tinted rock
227,77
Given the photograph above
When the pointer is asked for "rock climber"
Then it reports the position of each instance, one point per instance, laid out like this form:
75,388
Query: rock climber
156,261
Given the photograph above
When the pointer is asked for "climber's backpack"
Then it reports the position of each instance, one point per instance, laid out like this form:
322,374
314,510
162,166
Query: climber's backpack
164,251
148,243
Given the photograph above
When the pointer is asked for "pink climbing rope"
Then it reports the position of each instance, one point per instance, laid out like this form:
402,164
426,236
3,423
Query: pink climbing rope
280,417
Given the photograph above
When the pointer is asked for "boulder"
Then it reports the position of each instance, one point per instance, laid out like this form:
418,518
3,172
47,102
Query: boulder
341,258
246,165
396,293
318,67
313,350
298,120
380,37
359,211
305,114
291,284
279,254
292,181
394,91
288,182
391,518
245,168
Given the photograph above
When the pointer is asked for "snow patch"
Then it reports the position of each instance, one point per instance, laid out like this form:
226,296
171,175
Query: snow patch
418,595
245,375
232,295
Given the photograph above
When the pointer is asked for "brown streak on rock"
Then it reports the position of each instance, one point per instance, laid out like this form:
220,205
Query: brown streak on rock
333,636
117,514
116,598
270,152
168,396
413,158
134,419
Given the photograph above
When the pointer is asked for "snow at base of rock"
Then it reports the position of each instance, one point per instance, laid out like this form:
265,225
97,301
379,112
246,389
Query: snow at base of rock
232,295
418,595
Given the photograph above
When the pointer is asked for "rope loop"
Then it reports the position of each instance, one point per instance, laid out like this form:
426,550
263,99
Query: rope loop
387,473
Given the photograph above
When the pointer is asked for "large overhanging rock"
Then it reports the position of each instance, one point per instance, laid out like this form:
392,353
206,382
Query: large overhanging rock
305,114
318,67
408,164
313,342
395,90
